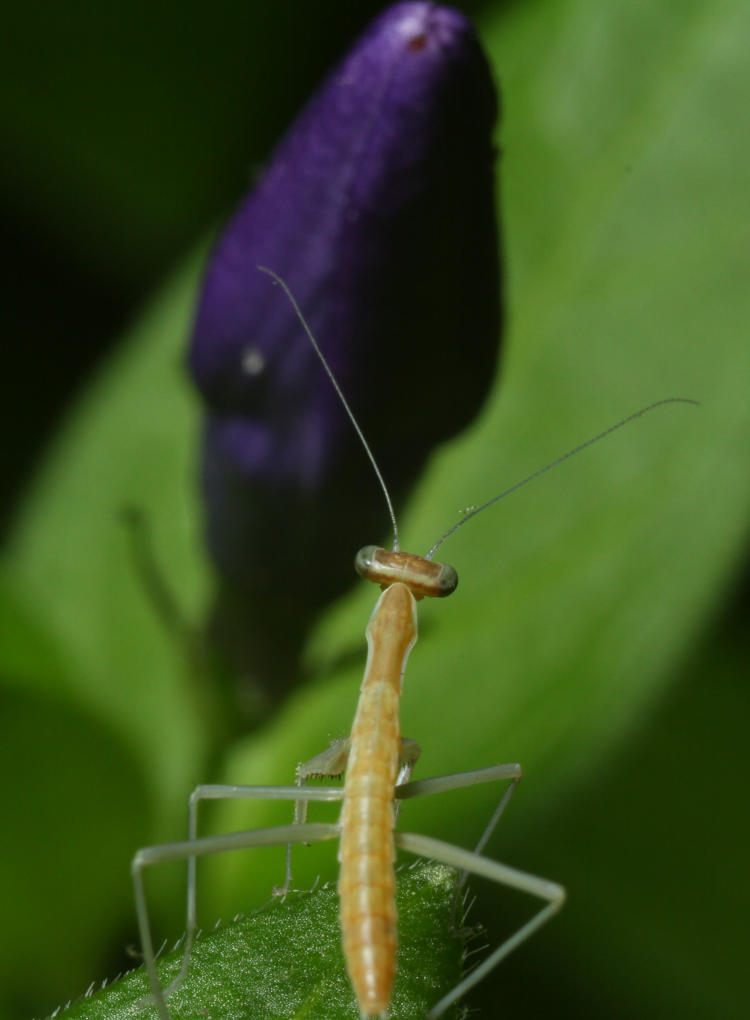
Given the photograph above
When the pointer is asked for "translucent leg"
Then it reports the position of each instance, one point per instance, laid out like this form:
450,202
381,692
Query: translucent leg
193,847
473,863
466,860
460,780
228,792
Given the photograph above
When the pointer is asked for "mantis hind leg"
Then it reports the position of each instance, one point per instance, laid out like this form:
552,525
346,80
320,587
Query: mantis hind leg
195,847
476,864
473,862
460,780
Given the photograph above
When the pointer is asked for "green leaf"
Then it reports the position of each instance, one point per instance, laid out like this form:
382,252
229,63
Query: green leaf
130,443
655,868
285,961
54,758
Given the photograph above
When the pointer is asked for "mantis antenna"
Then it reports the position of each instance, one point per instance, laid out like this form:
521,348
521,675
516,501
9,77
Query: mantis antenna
329,372
554,463
495,499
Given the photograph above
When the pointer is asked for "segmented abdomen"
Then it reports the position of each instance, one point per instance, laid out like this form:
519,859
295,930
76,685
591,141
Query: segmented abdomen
366,851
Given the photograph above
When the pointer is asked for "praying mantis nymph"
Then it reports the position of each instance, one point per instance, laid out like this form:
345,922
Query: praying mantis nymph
377,763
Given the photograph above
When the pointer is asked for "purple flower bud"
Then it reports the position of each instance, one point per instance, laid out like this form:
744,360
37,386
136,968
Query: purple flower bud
377,209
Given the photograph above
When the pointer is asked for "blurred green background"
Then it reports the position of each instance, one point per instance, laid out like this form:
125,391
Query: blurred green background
598,635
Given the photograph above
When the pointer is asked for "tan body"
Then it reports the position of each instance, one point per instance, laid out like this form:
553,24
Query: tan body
367,880
378,765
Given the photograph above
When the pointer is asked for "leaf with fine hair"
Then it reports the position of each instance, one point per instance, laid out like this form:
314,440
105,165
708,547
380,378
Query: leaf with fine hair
285,961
